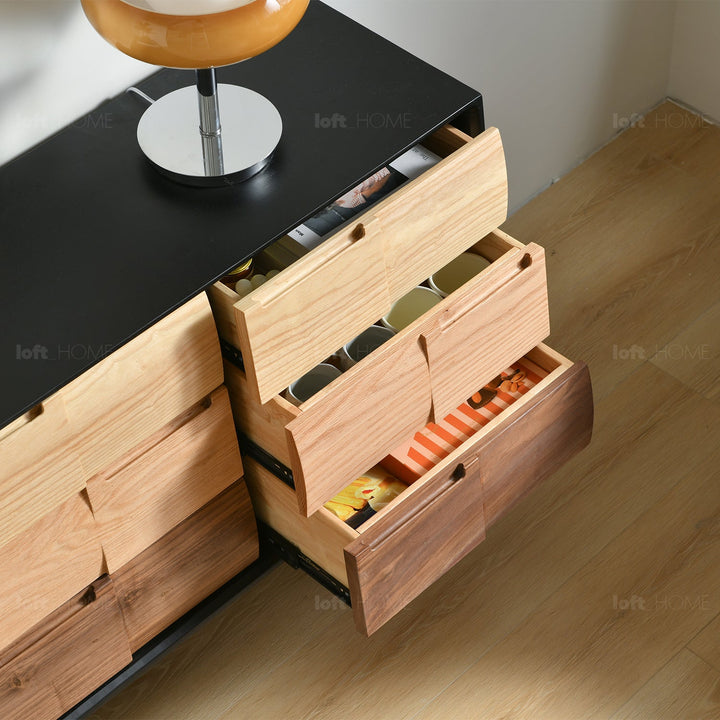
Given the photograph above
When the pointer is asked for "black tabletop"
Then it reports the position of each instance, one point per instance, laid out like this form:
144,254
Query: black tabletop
96,246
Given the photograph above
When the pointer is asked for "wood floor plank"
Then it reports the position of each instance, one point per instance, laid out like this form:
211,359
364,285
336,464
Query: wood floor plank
687,687
626,235
201,677
613,625
693,356
706,644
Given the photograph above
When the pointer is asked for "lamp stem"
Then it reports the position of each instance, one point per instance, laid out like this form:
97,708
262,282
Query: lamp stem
210,128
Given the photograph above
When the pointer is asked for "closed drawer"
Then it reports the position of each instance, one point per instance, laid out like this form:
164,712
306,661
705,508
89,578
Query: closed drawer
46,564
165,479
422,373
144,385
410,543
65,657
351,280
38,472
187,564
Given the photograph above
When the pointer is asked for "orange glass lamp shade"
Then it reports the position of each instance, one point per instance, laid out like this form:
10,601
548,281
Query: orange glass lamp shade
194,33
202,35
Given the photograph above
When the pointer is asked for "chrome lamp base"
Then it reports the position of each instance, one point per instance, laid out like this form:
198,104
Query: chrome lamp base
210,135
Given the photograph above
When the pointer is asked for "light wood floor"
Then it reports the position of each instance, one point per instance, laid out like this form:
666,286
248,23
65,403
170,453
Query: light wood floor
599,595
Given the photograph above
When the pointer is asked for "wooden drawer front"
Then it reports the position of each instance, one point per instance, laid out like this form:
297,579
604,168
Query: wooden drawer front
45,565
403,549
166,479
38,472
400,555
422,373
141,387
185,566
489,321
351,280
65,657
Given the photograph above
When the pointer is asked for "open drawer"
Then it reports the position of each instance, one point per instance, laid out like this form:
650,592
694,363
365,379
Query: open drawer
410,543
420,374
350,280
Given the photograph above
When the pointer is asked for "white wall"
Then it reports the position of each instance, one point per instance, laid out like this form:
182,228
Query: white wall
695,66
558,76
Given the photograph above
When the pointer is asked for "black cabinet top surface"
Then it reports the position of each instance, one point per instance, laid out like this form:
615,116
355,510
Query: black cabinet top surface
96,246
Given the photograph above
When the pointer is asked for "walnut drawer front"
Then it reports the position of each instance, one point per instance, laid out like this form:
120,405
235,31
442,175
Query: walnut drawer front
350,281
408,545
144,385
46,564
425,371
65,657
38,472
165,479
194,559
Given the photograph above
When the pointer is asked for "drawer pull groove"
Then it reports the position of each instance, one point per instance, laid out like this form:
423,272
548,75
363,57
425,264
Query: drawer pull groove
358,232
526,261
459,473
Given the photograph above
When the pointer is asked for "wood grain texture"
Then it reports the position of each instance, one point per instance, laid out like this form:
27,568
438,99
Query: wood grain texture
45,565
428,222
391,564
706,644
649,196
358,419
553,427
687,687
65,657
338,289
349,282
263,424
38,472
414,542
222,301
144,385
585,645
187,564
322,536
693,356
166,479
490,322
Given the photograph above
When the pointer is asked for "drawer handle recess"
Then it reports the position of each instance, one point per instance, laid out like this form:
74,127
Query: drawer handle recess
459,473
358,232
526,261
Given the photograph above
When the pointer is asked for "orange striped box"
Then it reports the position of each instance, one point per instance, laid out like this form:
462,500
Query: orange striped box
436,441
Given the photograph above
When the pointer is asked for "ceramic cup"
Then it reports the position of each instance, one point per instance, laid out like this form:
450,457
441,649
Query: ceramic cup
457,272
410,307
363,345
311,383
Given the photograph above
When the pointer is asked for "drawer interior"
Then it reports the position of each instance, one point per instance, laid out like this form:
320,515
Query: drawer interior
426,369
352,278
323,536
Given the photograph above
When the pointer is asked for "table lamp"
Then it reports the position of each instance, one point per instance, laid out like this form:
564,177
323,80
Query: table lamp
236,130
